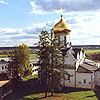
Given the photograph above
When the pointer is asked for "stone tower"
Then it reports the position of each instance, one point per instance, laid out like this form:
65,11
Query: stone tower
62,33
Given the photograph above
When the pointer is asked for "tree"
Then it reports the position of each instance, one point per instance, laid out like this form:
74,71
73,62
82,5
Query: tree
50,61
19,63
44,59
56,64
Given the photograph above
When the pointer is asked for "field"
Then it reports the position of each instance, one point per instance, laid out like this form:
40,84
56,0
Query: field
81,95
93,54
89,52
92,51
4,54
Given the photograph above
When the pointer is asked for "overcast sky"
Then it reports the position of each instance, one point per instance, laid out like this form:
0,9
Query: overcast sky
22,20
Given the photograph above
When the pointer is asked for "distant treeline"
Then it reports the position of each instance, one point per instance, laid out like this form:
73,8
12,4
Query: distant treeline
8,50
87,46
74,46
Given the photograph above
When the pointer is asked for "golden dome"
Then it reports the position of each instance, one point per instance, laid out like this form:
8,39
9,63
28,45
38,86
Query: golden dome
61,27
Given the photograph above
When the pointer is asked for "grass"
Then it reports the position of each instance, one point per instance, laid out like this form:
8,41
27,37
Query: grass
92,51
30,77
82,95
33,56
3,56
93,54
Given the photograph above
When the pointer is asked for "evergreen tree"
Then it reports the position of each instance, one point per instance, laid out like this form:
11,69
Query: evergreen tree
50,61
44,59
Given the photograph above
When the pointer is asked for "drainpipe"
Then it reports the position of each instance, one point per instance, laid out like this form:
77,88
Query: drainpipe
75,78
75,74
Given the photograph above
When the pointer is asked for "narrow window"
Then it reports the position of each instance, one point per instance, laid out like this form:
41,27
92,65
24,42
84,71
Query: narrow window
68,77
64,40
84,81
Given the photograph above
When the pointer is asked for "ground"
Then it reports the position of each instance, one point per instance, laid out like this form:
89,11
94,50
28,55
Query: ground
28,90
31,90
81,95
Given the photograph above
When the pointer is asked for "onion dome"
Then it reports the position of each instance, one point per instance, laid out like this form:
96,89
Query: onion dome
61,27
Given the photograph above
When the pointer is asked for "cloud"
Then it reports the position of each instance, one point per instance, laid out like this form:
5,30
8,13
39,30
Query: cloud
36,9
4,2
85,27
39,10
14,37
50,6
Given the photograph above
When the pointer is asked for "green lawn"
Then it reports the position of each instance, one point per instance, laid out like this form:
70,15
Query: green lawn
3,56
92,51
33,56
93,54
30,77
82,95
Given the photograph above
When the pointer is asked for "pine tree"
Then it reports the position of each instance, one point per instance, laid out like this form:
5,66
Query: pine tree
44,59
50,61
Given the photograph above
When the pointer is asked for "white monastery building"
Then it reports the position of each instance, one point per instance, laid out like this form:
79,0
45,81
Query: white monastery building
79,72
3,66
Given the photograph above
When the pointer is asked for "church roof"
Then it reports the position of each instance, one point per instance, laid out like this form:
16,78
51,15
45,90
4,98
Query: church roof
87,66
61,27
2,83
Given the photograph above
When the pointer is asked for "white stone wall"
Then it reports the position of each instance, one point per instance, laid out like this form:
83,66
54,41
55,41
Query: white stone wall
69,59
3,67
97,78
84,80
71,81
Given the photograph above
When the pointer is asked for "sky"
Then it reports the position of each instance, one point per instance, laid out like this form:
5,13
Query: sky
21,21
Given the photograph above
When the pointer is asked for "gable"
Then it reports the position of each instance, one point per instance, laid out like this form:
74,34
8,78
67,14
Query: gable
69,59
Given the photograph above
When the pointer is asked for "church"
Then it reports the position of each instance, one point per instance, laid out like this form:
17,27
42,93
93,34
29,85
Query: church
78,71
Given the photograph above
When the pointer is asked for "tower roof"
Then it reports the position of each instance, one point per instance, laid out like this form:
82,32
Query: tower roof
61,27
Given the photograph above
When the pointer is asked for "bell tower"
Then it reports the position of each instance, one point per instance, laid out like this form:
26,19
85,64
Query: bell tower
62,33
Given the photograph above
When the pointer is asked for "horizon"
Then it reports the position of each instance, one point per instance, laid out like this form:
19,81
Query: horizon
21,21
37,46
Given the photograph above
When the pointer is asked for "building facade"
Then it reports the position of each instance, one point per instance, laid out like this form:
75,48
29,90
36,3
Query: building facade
3,66
78,71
